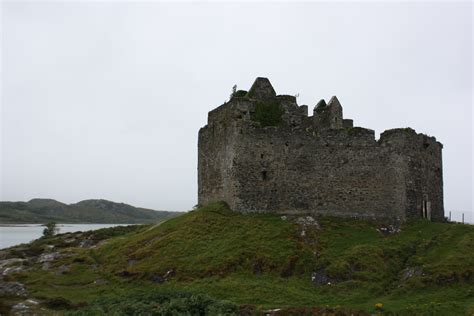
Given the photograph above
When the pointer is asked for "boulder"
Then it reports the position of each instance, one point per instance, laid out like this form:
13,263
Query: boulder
12,289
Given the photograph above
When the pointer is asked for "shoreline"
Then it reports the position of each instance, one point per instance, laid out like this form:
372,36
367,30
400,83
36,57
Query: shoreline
42,224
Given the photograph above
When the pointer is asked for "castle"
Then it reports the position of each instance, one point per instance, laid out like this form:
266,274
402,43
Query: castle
261,152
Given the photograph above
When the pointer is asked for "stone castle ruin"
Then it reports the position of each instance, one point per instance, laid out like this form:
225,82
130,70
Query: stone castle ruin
261,152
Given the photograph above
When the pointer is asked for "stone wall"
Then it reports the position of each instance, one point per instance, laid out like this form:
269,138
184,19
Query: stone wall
319,164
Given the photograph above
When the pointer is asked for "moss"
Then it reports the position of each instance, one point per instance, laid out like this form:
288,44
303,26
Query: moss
268,114
251,93
409,130
352,131
240,94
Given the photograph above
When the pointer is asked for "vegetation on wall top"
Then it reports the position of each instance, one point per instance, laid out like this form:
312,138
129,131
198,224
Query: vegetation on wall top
268,114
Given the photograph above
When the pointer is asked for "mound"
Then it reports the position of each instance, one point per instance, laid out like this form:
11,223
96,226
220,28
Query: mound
262,261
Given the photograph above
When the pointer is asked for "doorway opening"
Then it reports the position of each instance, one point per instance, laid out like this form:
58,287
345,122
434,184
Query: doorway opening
426,210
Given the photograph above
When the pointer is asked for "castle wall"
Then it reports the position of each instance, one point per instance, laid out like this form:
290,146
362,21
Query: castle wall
316,165
293,171
215,155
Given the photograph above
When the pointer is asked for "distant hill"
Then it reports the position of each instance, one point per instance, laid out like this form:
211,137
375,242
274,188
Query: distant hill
87,211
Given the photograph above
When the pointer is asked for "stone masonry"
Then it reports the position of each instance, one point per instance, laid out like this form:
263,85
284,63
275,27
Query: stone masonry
261,152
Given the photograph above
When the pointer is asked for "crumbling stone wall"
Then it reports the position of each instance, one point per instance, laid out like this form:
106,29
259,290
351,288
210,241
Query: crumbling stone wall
318,165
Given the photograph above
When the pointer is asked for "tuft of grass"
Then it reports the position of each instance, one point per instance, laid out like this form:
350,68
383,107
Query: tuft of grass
355,131
239,94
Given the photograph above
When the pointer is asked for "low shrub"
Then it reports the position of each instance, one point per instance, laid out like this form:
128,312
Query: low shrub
268,114
177,303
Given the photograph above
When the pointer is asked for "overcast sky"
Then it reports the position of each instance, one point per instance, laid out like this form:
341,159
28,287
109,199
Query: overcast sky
105,100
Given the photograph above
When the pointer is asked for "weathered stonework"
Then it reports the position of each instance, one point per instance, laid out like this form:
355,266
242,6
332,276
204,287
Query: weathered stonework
319,165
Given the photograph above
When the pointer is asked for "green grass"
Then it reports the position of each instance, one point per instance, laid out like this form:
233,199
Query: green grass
201,244
239,94
264,261
268,114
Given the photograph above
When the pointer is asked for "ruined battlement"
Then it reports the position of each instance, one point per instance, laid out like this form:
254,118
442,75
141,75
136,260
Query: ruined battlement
326,122
408,138
262,152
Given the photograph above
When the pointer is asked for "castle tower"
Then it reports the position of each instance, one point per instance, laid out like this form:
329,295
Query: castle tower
262,89
328,116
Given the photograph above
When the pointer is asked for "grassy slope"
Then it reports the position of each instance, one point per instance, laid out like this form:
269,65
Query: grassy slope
263,260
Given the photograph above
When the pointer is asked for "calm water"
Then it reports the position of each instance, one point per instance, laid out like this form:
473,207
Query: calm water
19,234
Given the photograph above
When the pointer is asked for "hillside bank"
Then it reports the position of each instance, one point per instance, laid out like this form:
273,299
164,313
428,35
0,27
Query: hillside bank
218,261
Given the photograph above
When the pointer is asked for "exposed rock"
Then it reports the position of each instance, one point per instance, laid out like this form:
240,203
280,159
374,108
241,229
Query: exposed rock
320,277
100,243
48,257
4,254
12,270
9,266
163,278
151,241
46,266
86,243
410,272
63,269
12,289
169,274
307,221
388,230
158,279
24,308
8,262
101,282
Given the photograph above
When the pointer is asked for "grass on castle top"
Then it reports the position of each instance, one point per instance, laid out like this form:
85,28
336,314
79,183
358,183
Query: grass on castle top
262,260
268,113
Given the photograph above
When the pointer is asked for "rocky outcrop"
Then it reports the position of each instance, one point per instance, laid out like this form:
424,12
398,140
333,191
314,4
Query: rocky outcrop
12,289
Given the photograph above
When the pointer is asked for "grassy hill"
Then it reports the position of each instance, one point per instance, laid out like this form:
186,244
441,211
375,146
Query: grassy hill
88,211
213,261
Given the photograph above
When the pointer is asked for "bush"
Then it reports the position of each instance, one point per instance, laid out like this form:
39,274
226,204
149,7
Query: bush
177,303
268,114
50,230
58,303
239,94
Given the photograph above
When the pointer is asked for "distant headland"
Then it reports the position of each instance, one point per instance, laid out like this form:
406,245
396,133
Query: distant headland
39,211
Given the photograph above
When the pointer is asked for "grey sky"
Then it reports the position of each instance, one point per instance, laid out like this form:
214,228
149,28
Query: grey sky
105,100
